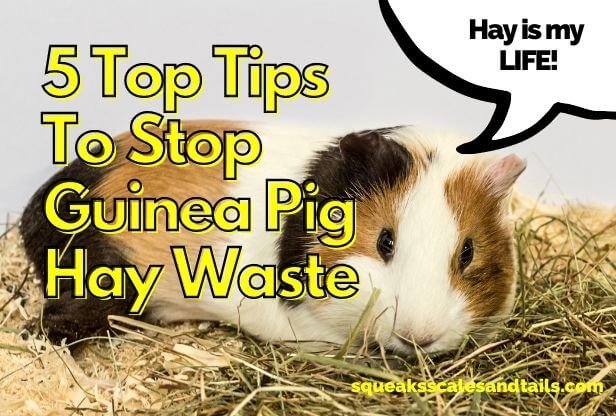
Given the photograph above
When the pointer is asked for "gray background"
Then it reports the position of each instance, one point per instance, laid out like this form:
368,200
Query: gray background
372,83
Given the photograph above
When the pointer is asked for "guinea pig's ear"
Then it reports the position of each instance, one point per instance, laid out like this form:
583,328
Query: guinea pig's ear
360,145
503,173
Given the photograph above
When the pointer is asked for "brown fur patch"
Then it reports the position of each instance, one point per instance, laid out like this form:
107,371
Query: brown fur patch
371,216
72,319
487,281
378,211
165,180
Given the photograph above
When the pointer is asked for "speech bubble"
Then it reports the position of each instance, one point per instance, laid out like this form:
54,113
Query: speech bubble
533,59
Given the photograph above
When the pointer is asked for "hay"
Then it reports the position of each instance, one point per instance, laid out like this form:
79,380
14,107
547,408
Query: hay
563,329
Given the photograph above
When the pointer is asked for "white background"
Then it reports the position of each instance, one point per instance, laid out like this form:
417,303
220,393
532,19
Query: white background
372,83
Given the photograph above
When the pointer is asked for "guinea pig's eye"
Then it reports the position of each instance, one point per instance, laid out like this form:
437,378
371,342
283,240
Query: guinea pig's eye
466,255
385,244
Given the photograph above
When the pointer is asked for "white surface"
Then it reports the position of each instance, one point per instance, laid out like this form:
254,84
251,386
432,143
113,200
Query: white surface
372,83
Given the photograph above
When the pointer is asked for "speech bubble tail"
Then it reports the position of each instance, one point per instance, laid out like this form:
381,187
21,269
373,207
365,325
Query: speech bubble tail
522,120
520,117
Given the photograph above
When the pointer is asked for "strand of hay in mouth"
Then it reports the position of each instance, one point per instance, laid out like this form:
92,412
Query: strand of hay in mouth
563,329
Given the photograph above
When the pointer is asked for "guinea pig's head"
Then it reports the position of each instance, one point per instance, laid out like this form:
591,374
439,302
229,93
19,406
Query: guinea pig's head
433,234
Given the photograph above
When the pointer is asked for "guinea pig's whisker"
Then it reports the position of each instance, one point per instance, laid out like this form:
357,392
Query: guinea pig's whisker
371,282
395,313
372,330
371,324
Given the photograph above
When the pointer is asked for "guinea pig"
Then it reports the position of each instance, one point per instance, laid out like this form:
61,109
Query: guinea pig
433,234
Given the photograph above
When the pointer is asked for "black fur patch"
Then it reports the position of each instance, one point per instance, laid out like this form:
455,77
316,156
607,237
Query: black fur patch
357,161
67,317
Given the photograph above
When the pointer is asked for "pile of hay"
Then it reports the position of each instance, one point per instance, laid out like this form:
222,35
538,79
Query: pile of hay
563,329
